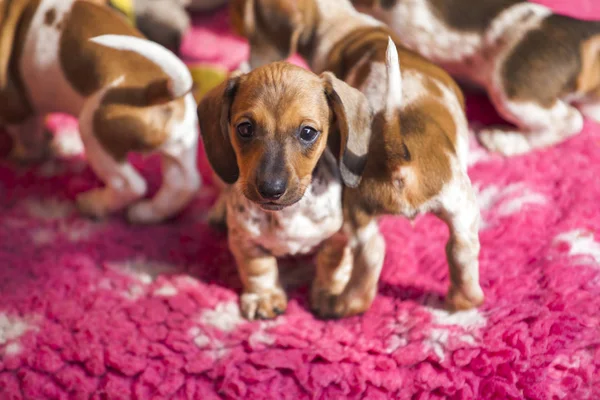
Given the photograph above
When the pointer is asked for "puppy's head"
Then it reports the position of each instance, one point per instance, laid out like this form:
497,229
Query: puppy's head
275,28
267,130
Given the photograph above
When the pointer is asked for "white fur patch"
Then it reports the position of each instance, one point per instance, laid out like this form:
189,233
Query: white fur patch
169,62
394,78
337,20
299,228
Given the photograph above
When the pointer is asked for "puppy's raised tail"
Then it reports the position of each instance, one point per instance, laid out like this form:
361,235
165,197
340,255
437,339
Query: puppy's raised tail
180,80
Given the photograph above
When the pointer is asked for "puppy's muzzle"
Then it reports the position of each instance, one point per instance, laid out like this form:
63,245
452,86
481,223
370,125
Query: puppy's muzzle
271,188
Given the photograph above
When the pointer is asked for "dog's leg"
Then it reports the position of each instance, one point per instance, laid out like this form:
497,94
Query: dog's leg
367,249
217,216
262,296
31,139
537,126
460,212
180,184
334,266
123,184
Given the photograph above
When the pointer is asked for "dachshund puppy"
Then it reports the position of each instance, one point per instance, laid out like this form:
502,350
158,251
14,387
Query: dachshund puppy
417,156
267,134
541,70
130,94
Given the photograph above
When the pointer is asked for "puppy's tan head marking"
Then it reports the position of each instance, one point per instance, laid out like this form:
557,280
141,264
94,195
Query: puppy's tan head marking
269,128
274,28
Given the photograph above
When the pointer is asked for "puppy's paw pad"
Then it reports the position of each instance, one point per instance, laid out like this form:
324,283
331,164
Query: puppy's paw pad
464,299
91,203
266,305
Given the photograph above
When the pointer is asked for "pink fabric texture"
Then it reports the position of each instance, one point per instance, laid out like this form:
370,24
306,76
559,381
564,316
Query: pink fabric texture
104,310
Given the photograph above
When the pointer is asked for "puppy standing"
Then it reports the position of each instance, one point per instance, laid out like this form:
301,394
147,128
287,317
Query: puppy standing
130,95
417,154
266,134
541,70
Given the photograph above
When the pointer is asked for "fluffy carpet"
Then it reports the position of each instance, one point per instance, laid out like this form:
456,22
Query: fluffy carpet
104,310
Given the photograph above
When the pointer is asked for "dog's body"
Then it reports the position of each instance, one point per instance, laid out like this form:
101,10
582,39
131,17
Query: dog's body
541,70
130,95
417,154
266,135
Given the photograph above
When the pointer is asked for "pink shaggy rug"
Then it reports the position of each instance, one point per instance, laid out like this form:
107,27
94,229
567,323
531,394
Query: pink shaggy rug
103,310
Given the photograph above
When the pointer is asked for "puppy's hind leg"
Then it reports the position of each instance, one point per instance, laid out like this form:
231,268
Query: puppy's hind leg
460,212
123,184
31,140
181,178
537,126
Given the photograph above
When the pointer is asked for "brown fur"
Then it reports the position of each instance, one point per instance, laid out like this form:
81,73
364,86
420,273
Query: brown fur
417,141
133,117
123,123
285,24
290,98
464,16
547,62
588,80
14,18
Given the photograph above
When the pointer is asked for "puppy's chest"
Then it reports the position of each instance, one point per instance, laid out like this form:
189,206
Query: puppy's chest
297,229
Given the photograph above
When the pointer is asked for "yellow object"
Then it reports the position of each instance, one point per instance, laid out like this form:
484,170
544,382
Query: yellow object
126,7
205,78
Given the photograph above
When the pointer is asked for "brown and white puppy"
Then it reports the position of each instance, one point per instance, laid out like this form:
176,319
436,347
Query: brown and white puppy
130,94
417,154
266,134
541,70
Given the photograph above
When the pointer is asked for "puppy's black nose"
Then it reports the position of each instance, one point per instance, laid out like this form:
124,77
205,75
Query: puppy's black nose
272,189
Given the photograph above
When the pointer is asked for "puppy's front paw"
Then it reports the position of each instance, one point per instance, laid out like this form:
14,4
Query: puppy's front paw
327,305
144,212
504,142
265,305
464,298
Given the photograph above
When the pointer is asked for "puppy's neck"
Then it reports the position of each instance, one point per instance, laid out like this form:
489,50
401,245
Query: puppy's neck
336,20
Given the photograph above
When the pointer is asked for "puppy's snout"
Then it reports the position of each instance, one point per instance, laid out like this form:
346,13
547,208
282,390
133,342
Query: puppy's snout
272,188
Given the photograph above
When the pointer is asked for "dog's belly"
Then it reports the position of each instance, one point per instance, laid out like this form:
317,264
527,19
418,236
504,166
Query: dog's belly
49,90
297,229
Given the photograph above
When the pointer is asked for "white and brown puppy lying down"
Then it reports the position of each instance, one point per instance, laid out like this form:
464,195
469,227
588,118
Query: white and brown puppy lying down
541,70
130,94
417,153
266,134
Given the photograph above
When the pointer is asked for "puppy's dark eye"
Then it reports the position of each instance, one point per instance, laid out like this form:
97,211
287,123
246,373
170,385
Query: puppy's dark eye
308,134
245,130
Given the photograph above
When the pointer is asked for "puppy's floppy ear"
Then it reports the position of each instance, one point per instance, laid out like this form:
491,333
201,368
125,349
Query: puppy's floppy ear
353,119
10,14
213,114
